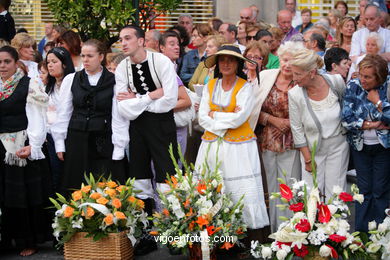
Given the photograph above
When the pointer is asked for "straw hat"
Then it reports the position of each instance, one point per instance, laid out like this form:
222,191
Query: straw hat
226,49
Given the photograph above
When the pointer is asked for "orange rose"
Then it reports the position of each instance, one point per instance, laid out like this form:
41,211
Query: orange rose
120,215
112,184
165,212
110,192
132,199
109,219
116,203
101,185
219,187
153,233
77,195
95,196
140,204
102,201
122,187
90,213
86,189
68,212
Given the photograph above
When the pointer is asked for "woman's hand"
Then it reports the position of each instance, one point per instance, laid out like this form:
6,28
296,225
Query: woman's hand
211,114
125,95
281,123
196,106
24,152
237,109
373,96
60,156
156,94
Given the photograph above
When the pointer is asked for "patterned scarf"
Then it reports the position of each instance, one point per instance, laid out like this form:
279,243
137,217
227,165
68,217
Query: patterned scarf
10,84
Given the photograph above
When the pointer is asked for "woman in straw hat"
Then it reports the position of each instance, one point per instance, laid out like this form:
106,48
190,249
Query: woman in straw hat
224,111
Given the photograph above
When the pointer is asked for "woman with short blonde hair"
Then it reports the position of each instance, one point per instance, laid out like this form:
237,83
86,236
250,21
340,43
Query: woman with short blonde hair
315,106
24,44
275,140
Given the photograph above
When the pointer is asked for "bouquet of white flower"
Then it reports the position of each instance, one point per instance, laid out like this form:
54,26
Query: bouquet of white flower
315,227
379,243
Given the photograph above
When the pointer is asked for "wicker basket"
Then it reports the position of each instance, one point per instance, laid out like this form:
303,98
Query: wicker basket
315,255
115,246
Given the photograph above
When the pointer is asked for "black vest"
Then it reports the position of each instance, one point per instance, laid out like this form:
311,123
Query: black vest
13,116
92,105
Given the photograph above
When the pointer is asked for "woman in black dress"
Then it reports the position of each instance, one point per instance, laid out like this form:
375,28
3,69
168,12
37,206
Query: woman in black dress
82,132
24,173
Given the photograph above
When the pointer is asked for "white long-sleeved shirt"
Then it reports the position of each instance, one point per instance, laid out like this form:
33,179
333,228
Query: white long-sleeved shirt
36,117
223,121
162,70
59,129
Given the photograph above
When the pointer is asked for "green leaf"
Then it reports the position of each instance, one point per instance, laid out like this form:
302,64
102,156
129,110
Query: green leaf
56,204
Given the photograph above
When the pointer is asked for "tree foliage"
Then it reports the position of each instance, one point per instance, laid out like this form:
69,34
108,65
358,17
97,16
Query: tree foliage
102,19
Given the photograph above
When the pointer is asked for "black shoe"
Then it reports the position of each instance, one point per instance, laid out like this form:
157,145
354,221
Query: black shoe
145,246
174,250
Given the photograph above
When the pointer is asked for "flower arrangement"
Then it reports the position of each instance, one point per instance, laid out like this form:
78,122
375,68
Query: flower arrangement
379,241
196,207
99,208
316,228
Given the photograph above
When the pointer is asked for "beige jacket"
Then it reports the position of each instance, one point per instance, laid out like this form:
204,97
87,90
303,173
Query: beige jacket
302,115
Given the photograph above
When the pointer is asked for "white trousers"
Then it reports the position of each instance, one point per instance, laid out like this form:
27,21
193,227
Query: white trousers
332,165
275,164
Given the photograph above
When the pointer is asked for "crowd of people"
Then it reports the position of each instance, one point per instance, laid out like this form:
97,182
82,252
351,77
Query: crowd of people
251,97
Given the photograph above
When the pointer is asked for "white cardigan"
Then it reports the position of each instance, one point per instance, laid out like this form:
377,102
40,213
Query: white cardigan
302,114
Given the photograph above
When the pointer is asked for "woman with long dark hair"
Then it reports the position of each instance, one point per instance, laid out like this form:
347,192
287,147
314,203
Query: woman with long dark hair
224,111
24,174
82,131
59,65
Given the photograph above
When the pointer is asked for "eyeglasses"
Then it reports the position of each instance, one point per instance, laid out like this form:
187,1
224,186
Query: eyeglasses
254,57
250,38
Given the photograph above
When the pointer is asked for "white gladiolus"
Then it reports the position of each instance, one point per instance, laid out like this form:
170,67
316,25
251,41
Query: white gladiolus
337,189
373,248
382,228
281,254
353,247
332,209
372,225
325,251
359,198
266,252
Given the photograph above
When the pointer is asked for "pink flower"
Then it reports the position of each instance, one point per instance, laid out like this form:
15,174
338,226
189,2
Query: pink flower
286,192
346,197
303,225
337,238
297,207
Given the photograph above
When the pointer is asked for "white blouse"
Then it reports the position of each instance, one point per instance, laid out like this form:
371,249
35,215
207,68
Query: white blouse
32,68
223,121
59,129
54,100
36,115
328,113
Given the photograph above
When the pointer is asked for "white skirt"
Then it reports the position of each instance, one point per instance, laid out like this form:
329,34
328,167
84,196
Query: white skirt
241,172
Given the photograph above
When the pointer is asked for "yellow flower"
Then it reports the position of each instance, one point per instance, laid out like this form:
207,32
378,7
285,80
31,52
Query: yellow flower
120,215
112,184
110,192
132,199
95,196
77,195
86,189
122,187
101,185
90,213
140,204
102,201
109,219
68,212
116,203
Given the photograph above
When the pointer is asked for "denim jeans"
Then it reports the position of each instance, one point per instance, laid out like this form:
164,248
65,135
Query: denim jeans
373,178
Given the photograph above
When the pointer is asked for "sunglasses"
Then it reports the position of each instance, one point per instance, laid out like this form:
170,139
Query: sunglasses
250,38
